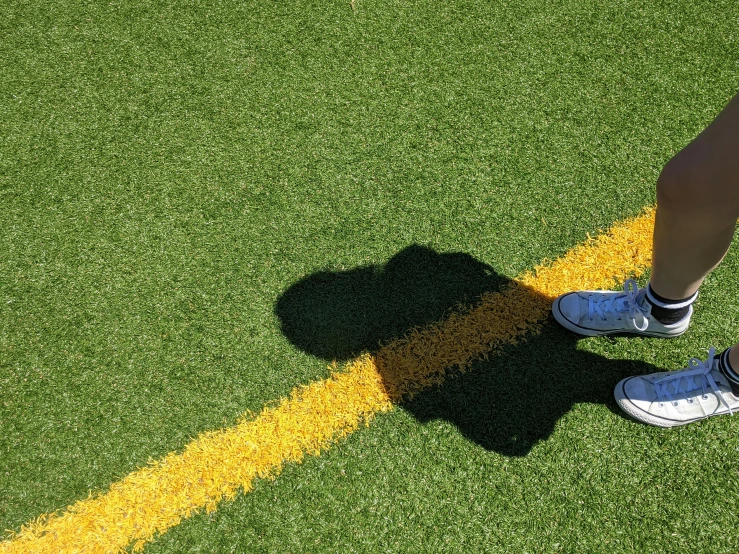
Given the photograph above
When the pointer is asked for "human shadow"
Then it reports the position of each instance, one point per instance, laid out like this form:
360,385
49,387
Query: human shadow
507,402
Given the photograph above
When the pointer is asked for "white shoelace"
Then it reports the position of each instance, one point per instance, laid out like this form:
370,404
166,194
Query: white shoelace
698,369
618,304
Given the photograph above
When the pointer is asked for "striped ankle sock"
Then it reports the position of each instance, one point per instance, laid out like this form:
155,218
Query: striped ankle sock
668,311
724,367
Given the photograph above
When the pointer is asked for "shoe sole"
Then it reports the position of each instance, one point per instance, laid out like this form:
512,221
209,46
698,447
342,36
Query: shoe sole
585,331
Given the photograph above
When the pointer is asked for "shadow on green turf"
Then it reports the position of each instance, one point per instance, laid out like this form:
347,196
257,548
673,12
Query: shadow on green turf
506,404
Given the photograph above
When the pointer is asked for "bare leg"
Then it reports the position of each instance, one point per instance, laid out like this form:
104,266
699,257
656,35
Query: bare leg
697,209
697,212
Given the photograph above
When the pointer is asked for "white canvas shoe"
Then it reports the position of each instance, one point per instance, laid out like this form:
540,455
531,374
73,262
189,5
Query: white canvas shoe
673,398
600,312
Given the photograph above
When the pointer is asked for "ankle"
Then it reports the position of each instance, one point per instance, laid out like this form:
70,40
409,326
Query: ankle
666,310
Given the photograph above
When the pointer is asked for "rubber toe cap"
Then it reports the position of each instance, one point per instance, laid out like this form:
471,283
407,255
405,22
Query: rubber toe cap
569,307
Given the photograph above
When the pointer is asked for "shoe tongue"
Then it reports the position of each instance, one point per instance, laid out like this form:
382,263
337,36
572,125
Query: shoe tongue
641,300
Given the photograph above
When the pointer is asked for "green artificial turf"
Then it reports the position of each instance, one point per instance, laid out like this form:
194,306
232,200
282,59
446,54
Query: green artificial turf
181,185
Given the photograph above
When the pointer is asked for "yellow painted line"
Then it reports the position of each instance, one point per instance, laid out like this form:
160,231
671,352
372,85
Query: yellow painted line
219,464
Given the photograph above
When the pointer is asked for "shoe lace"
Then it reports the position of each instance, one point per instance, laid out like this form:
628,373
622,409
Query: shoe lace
685,381
627,301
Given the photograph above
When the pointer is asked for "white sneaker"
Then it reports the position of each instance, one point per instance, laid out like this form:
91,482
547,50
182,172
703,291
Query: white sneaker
673,398
601,312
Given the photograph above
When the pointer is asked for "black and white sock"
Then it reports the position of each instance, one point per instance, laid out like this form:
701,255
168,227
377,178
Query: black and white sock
668,311
724,367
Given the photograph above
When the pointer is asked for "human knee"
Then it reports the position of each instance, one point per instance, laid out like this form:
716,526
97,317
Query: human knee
678,185
688,183
700,179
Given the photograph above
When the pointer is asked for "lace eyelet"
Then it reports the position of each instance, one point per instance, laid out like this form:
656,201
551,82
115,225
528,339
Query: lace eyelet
704,397
690,401
661,405
674,403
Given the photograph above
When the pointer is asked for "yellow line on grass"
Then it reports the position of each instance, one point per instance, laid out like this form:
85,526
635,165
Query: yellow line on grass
219,464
